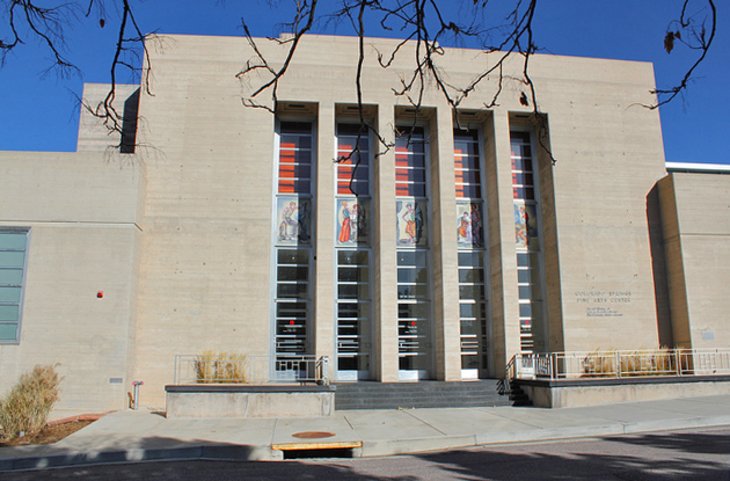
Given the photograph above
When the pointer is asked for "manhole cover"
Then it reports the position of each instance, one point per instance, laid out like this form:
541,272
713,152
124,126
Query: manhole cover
313,435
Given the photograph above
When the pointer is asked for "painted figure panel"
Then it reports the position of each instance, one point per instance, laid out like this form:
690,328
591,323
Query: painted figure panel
352,221
469,225
526,226
411,223
293,216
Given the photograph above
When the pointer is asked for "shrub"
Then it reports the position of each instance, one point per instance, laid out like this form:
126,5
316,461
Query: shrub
25,410
221,367
599,364
660,362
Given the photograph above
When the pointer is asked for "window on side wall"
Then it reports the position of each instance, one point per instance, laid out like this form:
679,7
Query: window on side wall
13,248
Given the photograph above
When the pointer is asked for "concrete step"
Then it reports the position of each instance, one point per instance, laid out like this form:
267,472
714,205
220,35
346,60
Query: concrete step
425,394
518,396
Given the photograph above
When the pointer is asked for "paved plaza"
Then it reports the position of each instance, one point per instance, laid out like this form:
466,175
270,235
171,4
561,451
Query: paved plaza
132,436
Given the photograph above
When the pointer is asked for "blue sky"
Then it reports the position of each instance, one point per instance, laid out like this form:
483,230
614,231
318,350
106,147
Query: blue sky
39,112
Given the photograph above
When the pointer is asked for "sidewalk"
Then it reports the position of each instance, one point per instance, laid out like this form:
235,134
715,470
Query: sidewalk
132,436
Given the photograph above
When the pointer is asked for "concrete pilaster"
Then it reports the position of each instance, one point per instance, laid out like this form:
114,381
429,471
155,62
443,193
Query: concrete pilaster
324,318
505,338
443,248
385,336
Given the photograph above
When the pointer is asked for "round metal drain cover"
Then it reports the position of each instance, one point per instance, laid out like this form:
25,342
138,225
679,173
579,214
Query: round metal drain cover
313,435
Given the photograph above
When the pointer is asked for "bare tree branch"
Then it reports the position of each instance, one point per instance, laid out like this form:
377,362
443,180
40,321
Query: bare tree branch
26,19
692,28
306,11
423,26
46,24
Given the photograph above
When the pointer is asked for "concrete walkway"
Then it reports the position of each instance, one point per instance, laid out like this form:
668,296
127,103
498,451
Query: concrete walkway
132,436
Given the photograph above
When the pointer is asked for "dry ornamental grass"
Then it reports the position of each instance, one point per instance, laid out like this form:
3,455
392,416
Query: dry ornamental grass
24,411
221,367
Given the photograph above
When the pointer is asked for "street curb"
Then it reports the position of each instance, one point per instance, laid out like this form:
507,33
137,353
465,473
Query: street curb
135,455
370,448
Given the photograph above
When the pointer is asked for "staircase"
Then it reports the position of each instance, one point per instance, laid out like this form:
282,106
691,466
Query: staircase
517,396
423,394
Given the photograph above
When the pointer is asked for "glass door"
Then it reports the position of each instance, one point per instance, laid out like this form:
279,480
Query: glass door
353,315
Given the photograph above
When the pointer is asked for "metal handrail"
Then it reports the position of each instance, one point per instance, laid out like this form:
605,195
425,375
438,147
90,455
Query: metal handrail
212,368
619,364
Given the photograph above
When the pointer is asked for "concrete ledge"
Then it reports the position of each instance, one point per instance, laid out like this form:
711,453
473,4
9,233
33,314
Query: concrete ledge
596,392
242,401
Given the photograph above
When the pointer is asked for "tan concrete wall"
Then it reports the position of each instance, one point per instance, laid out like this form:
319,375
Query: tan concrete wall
81,211
385,347
582,396
504,311
445,275
70,187
208,222
206,228
675,279
696,225
324,329
608,155
93,135
205,253
196,405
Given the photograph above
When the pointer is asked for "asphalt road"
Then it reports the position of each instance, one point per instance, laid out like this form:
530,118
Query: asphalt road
679,455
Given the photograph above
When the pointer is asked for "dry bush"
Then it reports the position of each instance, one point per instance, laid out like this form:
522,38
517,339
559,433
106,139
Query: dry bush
599,364
637,363
658,363
665,361
24,411
221,367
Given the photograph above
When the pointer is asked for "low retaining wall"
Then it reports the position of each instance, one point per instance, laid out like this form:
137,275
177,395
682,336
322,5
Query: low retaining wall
595,392
240,401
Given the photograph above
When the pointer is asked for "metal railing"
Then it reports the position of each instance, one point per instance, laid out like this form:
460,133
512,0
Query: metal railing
247,369
620,364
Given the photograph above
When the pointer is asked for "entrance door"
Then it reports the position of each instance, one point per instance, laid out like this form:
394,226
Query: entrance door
414,315
472,314
353,315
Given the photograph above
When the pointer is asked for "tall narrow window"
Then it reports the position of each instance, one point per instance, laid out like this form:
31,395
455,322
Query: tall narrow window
470,241
352,245
527,239
414,285
293,245
13,246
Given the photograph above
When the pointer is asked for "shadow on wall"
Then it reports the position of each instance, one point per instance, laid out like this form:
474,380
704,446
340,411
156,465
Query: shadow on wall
659,267
129,123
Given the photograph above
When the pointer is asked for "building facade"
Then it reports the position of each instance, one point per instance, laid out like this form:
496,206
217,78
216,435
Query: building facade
431,243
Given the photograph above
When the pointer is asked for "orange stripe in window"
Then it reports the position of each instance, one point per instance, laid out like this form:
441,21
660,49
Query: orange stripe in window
403,189
286,186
